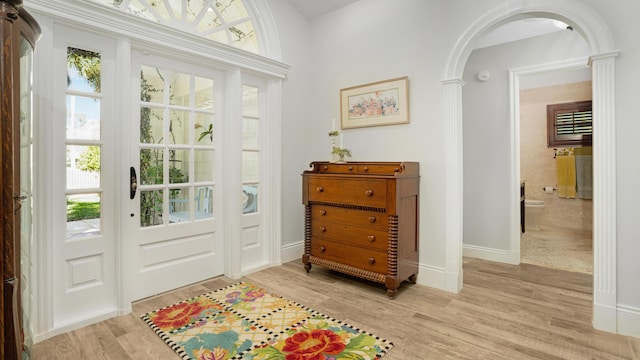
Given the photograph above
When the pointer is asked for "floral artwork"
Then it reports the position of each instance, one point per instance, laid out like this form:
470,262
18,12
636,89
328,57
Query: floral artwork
243,321
381,103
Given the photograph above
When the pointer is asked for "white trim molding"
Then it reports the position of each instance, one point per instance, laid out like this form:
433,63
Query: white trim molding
497,255
598,36
117,23
604,192
514,141
292,252
454,180
628,319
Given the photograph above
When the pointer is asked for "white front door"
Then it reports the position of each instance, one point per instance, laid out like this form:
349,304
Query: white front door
174,223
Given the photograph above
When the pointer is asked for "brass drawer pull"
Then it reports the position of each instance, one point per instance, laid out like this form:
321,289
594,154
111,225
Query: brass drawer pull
323,229
372,219
369,193
319,189
372,261
371,238
323,249
323,212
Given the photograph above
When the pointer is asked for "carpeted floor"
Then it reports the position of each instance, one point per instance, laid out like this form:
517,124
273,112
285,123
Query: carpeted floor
564,249
243,321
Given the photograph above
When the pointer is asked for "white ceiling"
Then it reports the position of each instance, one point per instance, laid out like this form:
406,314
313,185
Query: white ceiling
516,30
315,8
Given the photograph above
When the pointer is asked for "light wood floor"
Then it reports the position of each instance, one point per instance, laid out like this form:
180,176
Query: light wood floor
503,312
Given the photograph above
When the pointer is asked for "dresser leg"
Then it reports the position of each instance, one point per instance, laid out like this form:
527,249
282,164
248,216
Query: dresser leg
392,293
413,278
307,266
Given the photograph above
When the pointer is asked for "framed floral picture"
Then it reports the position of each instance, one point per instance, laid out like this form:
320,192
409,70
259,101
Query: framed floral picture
380,103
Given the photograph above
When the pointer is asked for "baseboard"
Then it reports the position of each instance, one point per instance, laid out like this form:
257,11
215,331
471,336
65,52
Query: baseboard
292,252
74,324
427,275
628,320
431,276
484,253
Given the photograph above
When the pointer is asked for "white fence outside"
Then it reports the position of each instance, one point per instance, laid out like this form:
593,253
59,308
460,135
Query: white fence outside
78,179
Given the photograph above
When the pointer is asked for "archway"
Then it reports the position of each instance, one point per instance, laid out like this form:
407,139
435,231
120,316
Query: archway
602,61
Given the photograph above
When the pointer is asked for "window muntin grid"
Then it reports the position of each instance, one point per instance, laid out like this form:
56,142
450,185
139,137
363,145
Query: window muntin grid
224,21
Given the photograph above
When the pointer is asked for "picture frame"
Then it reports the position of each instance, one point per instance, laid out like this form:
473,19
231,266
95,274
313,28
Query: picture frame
380,103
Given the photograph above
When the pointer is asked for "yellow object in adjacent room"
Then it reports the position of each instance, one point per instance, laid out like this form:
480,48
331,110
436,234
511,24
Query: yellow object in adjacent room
566,173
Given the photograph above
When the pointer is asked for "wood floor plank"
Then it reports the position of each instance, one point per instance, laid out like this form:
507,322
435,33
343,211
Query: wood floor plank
503,312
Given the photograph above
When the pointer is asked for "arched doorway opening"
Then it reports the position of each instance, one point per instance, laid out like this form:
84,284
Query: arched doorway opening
602,61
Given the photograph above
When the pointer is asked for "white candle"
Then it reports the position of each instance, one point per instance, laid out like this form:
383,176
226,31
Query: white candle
333,124
341,135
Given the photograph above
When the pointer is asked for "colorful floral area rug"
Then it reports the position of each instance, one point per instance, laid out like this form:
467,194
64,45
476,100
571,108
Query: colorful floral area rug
243,321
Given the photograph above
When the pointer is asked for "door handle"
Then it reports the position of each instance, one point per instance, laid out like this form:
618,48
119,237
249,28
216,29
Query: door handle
133,182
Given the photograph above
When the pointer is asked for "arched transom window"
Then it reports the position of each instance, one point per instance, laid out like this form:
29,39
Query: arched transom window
224,21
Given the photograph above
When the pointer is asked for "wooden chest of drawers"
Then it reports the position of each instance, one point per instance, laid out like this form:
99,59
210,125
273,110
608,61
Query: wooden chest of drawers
361,218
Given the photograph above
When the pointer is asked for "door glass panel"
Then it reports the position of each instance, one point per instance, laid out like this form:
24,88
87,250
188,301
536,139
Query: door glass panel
151,125
204,202
179,127
178,205
178,166
151,85
83,167
249,166
249,101
151,209
83,70
179,90
203,165
182,152
151,166
250,149
83,215
83,117
250,134
204,93
204,129
83,143
249,198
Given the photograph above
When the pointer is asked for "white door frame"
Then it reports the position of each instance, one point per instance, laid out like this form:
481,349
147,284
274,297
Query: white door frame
514,143
130,33
597,35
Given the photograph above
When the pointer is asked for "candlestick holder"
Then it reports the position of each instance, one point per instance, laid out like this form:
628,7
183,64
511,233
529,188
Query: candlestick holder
333,135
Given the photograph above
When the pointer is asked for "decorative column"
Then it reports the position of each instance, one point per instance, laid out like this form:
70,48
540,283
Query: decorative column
604,192
454,180
232,180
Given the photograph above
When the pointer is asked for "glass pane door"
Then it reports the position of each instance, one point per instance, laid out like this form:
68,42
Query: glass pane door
176,147
83,143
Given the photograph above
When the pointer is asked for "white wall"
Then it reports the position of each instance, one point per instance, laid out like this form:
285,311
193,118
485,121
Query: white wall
374,40
294,31
486,130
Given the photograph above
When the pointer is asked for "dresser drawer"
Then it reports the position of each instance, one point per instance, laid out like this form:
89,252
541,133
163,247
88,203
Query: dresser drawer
350,235
372,219
366,259
337,168
372,193
379,169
